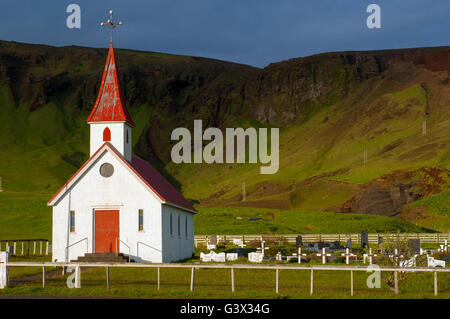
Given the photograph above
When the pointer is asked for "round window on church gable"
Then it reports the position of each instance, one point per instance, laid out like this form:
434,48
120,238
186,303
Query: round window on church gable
106,170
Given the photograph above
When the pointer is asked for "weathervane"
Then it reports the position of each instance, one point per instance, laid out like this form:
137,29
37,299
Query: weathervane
111,23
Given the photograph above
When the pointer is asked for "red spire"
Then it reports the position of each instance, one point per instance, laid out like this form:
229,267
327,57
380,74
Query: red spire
110,105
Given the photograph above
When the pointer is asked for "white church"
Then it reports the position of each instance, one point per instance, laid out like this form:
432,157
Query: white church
117,202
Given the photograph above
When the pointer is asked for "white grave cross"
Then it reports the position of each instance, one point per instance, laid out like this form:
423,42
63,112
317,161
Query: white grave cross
262,247
300,255
324,256
348,255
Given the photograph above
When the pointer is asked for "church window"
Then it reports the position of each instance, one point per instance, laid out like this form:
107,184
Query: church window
106,170
127,136
179,231
141,219
106,135
171,225
185,227
72,221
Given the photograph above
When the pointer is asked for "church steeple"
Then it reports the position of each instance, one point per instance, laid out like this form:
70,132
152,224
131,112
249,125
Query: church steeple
110,105
109,119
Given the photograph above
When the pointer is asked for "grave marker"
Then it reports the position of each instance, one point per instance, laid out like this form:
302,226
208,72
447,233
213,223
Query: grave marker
300,255
414,246
324,256
364,239
348,243
255,257
347,255
298,241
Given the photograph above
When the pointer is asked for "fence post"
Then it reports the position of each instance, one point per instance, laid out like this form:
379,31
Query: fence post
351,283
276,280
192,279
40,248
435,284
107,277
396,283
43,276
46,248
232,279
34,247
22,249
312,282
159,281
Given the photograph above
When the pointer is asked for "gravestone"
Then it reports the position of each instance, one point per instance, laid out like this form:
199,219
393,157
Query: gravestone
380,240
414,246
212,256
364,239
298,241
1,186
255,257
212,239
335,245
348,243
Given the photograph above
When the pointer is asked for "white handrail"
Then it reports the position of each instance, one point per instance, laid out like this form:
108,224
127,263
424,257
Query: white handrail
137,247
87,245
129,249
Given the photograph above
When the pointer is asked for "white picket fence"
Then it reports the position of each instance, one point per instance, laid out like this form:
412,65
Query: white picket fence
431,238
26,247
232,268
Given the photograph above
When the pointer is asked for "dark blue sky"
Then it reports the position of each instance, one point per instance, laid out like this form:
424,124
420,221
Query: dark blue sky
255,32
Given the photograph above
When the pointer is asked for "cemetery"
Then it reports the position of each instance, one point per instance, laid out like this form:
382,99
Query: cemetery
265,266
272,249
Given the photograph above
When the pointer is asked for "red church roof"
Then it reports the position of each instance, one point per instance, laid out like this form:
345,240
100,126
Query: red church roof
158,183
110,105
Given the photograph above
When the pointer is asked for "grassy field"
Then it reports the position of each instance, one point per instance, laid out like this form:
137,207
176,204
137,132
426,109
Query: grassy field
26,215
235,220
434,212
216,283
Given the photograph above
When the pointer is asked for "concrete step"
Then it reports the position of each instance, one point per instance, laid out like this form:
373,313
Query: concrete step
104,257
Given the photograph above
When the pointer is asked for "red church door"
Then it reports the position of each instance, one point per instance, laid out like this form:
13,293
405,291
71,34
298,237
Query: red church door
106,230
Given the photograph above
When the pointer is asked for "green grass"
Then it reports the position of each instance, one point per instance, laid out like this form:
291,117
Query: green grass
25,216
438,204
215,283
437,211
225,220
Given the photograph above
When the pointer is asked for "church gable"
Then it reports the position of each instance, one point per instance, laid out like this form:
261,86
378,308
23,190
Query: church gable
105,167
142,171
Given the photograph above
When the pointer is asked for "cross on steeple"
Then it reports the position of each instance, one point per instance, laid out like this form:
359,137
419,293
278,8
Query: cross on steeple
111,23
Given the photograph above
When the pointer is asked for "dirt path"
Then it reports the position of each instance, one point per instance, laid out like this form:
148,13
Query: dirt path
36,277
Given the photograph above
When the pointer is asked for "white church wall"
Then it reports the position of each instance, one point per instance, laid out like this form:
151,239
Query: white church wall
177,247
118,137
123,192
